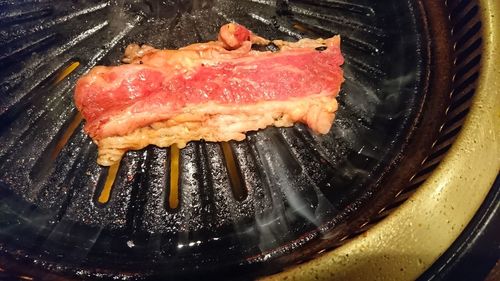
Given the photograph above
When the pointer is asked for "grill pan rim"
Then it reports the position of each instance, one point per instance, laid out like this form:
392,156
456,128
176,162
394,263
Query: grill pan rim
461,167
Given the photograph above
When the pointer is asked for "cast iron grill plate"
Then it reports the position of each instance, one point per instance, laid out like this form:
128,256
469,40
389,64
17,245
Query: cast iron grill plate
291,187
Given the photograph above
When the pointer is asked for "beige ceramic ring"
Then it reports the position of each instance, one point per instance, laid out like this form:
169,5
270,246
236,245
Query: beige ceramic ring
408,241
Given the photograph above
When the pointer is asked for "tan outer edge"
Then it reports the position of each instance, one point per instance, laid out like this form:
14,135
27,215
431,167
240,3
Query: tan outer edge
407,242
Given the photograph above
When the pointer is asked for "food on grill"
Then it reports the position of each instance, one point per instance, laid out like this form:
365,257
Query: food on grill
214,91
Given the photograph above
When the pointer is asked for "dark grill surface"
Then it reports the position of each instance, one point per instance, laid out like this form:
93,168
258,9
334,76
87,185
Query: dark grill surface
249,205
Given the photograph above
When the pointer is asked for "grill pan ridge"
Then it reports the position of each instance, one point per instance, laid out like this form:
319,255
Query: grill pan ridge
51,216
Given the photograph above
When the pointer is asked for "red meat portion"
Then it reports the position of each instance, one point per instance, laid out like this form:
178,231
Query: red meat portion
164,81
215,91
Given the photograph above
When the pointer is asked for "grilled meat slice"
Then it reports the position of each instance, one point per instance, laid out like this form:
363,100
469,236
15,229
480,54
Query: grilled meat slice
215,91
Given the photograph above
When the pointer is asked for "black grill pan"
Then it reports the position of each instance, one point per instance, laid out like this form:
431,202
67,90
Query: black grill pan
233,210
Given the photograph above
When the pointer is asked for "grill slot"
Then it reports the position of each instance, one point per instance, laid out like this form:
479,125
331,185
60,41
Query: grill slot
469,33
44,165
173,191
466,15
474,47
239,190
67,71
105,192
66,136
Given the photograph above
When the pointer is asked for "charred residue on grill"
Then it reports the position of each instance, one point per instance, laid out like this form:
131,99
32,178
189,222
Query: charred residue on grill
321,48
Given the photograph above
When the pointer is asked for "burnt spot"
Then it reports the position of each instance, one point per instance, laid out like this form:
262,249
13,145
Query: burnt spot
321,48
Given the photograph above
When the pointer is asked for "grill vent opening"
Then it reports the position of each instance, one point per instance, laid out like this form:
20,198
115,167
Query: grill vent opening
109,181
173,188
239,190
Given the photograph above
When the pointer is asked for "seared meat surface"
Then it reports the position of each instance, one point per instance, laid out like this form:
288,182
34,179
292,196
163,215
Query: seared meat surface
215,91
